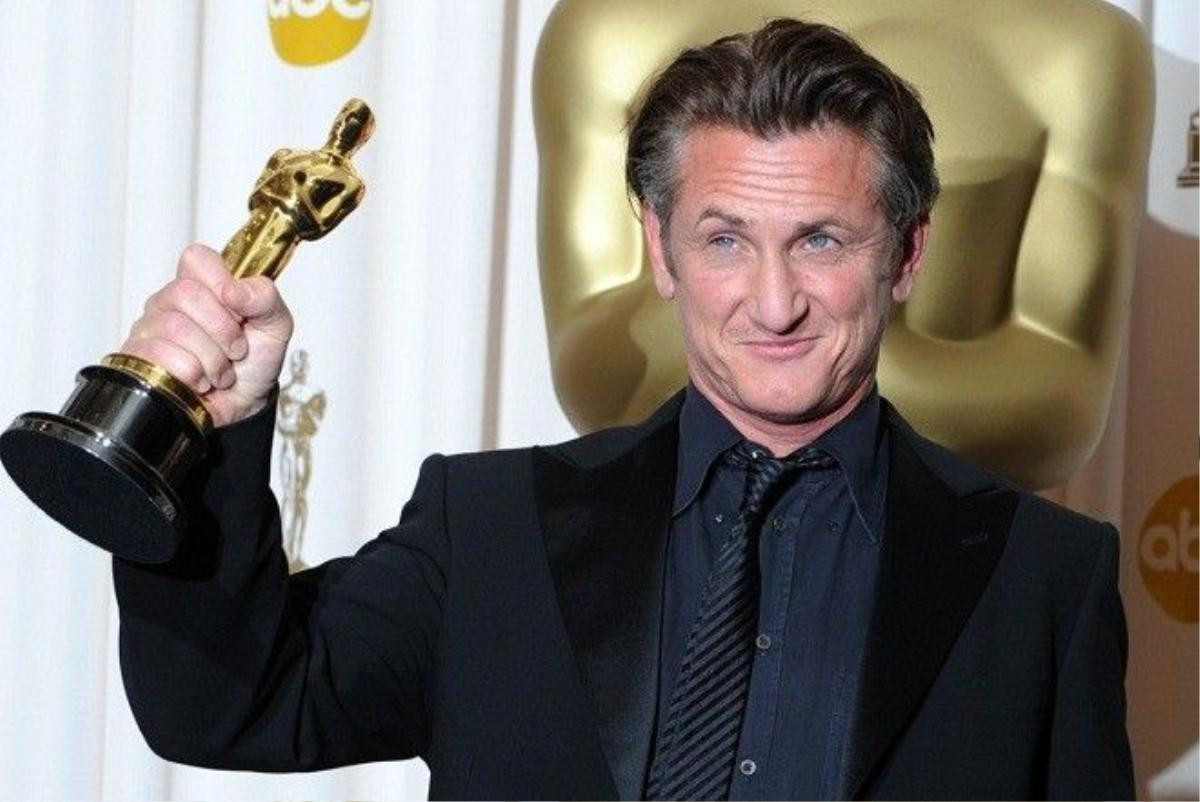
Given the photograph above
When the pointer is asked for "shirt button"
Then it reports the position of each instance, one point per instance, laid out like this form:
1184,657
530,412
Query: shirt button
718,519
763,641
747,767
833,527
779,524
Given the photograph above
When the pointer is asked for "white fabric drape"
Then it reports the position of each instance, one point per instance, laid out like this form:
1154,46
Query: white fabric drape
130,128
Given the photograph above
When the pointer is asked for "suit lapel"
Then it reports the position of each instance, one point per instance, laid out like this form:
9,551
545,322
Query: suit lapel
939,549
606,534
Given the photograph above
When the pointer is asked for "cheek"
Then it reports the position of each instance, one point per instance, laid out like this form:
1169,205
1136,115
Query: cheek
708,305
856,311
708,312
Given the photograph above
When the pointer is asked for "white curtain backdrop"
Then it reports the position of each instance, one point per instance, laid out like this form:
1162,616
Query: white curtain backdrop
129,128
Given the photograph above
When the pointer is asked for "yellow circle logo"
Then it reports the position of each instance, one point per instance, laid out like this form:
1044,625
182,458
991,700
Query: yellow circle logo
1167,550
308,32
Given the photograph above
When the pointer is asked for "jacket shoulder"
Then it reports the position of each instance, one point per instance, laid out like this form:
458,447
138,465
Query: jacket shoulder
606,445
586,451
966,479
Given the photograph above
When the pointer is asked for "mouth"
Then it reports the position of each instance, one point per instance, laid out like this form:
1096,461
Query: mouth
781,349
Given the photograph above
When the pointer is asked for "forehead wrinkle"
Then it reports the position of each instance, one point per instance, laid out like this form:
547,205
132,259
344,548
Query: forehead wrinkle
741,204
737,182
758,157
755,182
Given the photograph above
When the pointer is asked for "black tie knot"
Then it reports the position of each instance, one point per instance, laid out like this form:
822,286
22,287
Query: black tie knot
763,471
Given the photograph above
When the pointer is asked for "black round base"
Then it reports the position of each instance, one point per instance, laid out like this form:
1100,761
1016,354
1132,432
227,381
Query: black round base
109,466
84,482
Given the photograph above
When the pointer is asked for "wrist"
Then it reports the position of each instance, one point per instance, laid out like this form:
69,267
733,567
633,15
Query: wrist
254,409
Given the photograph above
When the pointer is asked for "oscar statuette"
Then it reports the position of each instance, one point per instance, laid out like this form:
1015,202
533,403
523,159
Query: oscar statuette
109,466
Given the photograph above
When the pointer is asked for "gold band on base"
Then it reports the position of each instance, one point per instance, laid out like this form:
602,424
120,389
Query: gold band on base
161,380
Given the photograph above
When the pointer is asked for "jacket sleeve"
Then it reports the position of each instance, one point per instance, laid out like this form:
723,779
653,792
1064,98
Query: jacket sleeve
1089,747
229,663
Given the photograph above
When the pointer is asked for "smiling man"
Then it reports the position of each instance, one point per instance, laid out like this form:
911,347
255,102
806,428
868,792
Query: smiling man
772,588
783,266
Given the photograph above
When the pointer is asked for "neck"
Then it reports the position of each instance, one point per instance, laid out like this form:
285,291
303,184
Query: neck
783,438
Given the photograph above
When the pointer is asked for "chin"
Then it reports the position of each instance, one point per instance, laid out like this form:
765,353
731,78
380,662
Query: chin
783,402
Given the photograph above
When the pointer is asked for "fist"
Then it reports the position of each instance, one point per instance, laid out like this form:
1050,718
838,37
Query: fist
224,337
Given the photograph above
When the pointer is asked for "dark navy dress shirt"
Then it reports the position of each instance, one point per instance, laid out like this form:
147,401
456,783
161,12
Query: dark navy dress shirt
818,554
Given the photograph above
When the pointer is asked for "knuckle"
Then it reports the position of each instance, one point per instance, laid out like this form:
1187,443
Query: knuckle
189,258
264,290
215,365
229,334
178,362
192,373
187,368
270,292
222,330
155,350
188,290
159,299
137,330
170,296
194,254
138,346
175,324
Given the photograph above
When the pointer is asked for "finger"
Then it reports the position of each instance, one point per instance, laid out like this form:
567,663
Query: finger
178,329
205,265
177,361
199,303
259,303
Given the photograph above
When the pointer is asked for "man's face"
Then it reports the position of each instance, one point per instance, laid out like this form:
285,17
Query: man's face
781,263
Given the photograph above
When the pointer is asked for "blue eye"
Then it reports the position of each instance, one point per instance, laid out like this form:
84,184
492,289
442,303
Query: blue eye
820,241
723,241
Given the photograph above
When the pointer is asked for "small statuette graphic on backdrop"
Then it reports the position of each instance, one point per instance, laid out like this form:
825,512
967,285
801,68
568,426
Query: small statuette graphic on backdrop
1190,176
301,409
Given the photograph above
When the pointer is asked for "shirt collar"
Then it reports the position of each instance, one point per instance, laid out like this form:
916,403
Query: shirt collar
704,434
856,443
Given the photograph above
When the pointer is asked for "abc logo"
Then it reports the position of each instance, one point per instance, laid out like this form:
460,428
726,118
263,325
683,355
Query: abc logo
308,32
1167,550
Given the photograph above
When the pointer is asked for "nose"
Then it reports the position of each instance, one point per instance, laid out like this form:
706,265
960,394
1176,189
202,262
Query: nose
778,300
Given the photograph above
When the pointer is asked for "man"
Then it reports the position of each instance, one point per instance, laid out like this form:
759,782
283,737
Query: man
771,588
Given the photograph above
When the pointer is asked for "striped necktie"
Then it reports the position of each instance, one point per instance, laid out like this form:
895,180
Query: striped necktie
697,743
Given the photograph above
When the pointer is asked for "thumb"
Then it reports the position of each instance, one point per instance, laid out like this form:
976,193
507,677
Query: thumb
258,301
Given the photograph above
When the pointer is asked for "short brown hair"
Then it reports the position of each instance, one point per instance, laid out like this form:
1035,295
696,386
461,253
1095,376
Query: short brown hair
786,77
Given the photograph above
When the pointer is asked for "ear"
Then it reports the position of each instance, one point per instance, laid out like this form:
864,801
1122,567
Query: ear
911,260
664,280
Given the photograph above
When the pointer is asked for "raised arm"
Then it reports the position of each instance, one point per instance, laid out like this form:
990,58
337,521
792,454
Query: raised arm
227,661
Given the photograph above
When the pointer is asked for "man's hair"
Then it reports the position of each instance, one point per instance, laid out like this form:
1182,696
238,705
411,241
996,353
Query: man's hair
787,77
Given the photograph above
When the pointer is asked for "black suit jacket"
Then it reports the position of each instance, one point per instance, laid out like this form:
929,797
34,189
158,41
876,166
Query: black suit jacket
507,630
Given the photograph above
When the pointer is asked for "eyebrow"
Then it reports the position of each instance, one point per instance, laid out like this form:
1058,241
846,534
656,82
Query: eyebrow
726,217
800,229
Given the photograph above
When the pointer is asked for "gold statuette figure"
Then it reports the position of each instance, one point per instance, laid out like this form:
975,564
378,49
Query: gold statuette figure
130,432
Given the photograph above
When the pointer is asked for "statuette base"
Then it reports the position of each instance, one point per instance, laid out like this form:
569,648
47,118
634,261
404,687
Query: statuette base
108,466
